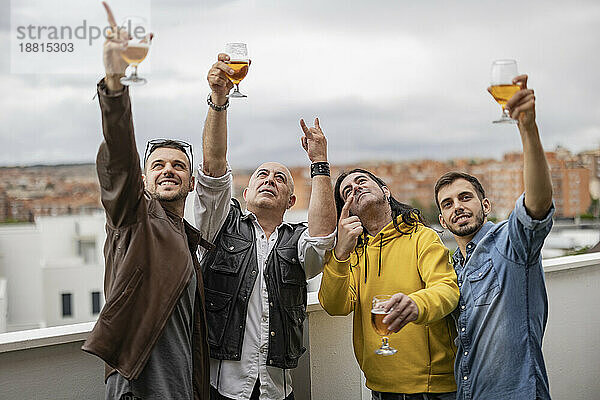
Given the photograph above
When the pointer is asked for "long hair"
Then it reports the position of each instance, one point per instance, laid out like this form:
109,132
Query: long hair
411,216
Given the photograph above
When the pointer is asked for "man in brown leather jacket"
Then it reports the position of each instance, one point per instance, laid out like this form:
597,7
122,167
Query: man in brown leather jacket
152,331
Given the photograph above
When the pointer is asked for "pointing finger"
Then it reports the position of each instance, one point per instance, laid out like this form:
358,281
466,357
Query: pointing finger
111,18
317,124
346,209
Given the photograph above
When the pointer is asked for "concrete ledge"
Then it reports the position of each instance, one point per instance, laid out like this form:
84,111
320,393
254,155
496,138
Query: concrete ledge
22,340
571,262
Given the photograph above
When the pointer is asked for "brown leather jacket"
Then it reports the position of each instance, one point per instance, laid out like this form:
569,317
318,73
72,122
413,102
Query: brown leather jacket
147,258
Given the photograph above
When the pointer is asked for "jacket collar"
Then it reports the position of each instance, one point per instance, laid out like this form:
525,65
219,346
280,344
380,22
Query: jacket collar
249,215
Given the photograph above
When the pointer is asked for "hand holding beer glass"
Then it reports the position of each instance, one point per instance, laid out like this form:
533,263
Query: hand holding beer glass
136,48
502,87
378,313
125,45
239,62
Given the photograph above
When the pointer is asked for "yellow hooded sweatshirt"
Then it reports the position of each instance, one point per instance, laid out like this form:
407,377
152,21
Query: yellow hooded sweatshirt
416,264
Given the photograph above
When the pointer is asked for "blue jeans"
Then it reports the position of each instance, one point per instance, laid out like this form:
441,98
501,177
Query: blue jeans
413,396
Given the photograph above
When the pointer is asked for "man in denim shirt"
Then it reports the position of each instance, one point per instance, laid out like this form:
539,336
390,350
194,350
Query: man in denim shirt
503,305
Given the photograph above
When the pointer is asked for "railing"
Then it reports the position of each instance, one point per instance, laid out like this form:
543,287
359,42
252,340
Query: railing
48,363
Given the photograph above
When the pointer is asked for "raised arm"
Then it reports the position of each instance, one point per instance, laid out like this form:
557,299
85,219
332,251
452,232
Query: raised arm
214,137
536,175
321,208
117,163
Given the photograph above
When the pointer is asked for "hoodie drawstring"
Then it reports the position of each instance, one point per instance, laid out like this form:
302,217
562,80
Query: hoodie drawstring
366,257
380,248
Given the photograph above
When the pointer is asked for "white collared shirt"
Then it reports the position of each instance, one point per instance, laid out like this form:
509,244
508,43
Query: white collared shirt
236,379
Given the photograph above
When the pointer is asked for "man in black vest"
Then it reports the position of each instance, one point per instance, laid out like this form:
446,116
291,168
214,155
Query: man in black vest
255,277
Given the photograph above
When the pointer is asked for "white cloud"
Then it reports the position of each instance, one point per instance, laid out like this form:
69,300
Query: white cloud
388,80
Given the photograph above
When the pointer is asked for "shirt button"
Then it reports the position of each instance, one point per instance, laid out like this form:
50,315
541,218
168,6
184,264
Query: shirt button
462,307
241,327
231,247
253,272
466,353
462,329
271,304
272,333
264,319
459,284
465,378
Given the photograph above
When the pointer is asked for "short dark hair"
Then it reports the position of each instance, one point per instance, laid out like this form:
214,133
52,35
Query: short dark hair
449,178
180,145
410,216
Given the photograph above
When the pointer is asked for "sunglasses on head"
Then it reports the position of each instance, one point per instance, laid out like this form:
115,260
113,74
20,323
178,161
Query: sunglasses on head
185,147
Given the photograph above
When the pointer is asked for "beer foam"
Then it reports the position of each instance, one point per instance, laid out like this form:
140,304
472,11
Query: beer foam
138,45
379,311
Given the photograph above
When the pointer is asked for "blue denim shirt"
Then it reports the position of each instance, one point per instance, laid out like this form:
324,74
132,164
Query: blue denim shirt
502,311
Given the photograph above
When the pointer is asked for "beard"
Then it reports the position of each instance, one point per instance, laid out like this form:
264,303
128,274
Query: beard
181,194
468,229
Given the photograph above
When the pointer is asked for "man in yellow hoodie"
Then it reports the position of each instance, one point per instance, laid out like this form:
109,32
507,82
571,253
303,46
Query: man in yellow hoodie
383,247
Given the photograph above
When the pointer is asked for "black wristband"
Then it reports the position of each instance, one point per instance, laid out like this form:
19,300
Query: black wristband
319,168
216,107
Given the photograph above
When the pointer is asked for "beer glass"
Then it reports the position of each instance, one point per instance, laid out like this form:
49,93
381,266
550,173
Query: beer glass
378,313
136,49
239,62
502,87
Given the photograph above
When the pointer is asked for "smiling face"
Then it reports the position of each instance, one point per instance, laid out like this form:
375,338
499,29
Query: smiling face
271,186
367,193
462,212
168,175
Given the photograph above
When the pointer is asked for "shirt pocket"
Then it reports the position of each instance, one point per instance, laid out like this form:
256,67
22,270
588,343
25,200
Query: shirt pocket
218,305
293,279
231,252
484,282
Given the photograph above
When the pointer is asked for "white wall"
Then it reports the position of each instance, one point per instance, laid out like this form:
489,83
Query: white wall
572,340
40,261
3,305
21,266
79,280
66,271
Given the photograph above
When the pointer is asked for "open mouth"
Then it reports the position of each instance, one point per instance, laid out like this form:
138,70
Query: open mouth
168,182
461,218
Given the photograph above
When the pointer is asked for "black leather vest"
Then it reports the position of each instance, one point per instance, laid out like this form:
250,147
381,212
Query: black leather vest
229,272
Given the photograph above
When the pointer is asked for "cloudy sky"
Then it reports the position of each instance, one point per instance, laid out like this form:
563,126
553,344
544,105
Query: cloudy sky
391,80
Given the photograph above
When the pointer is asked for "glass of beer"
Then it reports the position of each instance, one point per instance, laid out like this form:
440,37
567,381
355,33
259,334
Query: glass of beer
378,313
136,49
502,87
239,62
